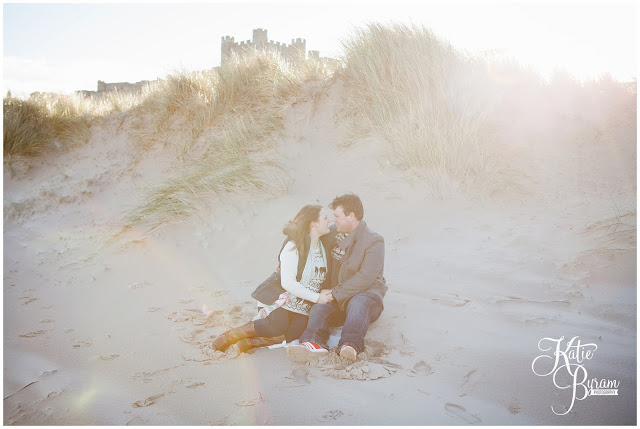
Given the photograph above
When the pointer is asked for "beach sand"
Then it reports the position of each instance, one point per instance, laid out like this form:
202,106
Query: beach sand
105,325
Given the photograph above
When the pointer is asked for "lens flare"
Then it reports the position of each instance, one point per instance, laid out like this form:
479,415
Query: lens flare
86,397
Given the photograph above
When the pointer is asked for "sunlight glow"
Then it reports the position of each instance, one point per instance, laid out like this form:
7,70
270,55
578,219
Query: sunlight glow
581,42
132,42
86,397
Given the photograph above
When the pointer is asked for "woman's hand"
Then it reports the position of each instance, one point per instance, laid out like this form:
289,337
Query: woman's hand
325,297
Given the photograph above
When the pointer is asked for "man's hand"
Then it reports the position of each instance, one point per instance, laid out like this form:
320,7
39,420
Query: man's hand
325,297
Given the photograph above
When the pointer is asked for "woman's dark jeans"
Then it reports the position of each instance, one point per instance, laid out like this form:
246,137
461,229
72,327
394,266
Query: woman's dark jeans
362,310
281,322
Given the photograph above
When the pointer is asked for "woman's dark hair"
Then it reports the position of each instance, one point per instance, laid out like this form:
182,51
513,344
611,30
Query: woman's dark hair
350,203
299,227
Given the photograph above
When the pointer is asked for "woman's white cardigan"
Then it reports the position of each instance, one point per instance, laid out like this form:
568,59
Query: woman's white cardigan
289,273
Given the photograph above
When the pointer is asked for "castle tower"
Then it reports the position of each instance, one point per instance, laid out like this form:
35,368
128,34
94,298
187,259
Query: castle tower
260,39
295,52
298,49
226,45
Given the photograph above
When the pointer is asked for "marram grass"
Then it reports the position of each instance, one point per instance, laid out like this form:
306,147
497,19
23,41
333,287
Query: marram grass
214,121
438,109
35,126
429,102
225,115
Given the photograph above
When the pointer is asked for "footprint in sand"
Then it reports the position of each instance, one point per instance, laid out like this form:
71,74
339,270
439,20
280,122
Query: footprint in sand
331,415
107,358
110,357
469,381
422,368
152,309
32,334
47,321
82,344
149,401
202,356
460,412
28,300
195,385
139,285
55,393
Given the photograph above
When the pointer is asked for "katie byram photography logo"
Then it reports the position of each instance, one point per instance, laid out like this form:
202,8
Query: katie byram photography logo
565,364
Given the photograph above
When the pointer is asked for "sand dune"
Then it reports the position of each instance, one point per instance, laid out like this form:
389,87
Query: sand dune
112,326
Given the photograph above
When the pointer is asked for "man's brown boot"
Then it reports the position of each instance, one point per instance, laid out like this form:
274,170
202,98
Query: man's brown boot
252,343
232,336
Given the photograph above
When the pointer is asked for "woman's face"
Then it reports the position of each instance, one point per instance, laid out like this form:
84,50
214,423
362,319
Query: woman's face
322,225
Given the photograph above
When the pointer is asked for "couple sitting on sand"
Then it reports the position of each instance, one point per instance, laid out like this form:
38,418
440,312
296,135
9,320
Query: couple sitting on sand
341,282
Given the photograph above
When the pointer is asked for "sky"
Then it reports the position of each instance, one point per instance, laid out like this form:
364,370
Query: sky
67,47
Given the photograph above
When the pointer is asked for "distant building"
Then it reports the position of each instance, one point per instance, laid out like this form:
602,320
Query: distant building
125,87
121,86
296,51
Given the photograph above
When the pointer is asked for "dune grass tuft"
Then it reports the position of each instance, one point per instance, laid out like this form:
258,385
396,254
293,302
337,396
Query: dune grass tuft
26,128
216,121
34,126
432,104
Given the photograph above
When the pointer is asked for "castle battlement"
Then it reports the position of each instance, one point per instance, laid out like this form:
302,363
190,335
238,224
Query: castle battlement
296,51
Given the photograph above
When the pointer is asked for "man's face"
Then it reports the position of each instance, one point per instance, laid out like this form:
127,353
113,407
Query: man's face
343,223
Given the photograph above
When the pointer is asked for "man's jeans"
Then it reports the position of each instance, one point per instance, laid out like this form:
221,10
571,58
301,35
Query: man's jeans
362,310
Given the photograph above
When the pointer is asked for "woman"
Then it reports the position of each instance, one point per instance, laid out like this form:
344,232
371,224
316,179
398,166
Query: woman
286,319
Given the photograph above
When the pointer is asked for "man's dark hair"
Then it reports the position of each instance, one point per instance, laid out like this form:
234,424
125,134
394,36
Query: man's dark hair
350,203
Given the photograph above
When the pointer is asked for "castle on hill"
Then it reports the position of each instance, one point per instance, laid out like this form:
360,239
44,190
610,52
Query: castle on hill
296,51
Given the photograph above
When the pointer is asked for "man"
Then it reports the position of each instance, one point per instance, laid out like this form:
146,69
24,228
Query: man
357,283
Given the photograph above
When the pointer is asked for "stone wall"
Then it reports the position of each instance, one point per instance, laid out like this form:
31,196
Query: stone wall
296,51
121,86
104,88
